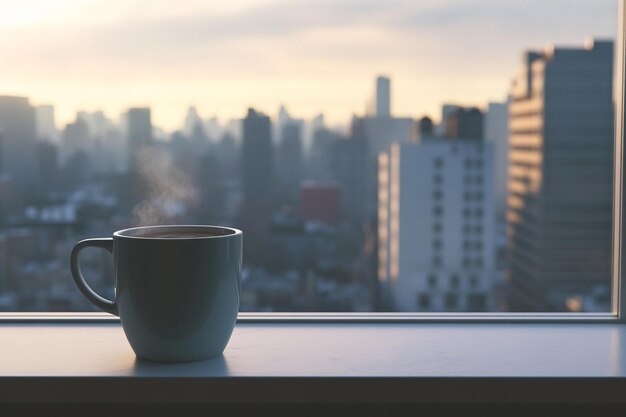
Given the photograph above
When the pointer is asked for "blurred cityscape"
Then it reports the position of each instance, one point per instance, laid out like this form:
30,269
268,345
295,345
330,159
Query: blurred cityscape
502,208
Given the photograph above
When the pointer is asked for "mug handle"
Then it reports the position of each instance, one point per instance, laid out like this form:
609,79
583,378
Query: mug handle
102,303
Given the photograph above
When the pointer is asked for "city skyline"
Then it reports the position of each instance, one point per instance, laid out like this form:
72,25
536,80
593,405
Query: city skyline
327,229
90,56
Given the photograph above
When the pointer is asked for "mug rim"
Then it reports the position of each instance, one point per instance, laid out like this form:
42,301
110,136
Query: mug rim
123,233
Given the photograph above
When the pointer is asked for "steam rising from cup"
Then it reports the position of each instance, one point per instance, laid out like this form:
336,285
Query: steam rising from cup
169,191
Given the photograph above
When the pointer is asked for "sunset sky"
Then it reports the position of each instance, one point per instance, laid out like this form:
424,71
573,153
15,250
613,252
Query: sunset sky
313,56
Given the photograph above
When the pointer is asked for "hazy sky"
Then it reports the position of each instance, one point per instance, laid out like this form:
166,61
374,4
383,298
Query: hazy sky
313,56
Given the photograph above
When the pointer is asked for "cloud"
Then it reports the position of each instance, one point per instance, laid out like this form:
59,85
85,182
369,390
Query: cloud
158,52
193,33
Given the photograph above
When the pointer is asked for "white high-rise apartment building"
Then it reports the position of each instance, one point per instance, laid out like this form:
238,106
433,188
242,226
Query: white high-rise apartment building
436,225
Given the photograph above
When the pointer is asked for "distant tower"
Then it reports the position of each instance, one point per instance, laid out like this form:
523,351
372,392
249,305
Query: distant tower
425,127
349,165
44,120
139,141
18,144
383,97
289,160
560,178
321,155
465,123
139,132
76,148
257,180
447,110
257,159
139,125
193,122
75,138
497,132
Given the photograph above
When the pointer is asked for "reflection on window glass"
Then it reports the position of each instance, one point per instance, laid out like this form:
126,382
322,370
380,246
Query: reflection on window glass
379,156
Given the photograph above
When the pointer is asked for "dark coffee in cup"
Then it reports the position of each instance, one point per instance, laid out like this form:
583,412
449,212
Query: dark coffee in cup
176,288
177,235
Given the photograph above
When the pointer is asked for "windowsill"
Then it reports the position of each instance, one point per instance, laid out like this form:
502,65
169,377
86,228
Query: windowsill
324,363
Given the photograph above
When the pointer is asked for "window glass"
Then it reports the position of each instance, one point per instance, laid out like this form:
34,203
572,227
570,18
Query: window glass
494,119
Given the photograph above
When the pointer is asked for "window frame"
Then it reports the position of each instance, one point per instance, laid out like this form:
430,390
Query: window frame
617,314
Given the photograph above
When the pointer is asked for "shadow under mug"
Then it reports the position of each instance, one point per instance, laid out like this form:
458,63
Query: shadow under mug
176,288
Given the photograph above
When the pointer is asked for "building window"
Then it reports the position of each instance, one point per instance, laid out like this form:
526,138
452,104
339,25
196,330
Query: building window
437,261
437,179
432,280
478,213
437,228
423,301
438,162
451,301
473,281
437,244
476,303
437,195
437,210
454,281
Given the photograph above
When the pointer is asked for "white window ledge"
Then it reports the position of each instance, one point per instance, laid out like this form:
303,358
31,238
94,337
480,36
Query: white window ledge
288,363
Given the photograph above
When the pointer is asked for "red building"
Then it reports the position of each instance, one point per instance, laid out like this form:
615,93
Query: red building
320,202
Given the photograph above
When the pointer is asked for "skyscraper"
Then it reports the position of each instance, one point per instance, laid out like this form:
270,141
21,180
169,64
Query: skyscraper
75,139
139,142
47,153
77,153
98,124
377,133
138,131
289,158
425,128
193,122
44,120
349,169
436,226
257,160
107,147
447,110
383,97
380,133
320,156
18,144
497,132
257,180
561,170
464,123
